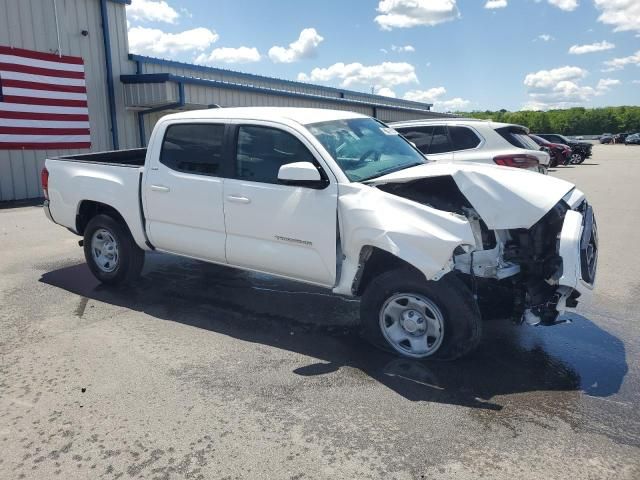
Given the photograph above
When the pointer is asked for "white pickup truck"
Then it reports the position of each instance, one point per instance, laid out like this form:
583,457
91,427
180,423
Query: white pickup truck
339,200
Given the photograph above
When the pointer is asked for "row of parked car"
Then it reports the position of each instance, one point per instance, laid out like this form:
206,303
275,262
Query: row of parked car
482,141
626,138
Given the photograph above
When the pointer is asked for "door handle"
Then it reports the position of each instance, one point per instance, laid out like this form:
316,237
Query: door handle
160,188
238,199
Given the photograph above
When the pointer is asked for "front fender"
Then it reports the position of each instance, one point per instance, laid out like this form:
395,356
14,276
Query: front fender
420,235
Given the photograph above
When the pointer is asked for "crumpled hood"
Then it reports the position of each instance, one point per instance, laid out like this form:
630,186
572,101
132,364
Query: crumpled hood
504,197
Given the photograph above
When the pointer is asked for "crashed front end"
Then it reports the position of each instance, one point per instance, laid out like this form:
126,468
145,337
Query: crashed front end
544,268
535,248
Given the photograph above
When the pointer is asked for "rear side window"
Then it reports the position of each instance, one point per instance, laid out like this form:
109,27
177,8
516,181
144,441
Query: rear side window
193,148
463,138
518,138
554,138
263,150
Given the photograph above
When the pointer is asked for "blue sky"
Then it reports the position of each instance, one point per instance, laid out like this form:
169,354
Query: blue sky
459,55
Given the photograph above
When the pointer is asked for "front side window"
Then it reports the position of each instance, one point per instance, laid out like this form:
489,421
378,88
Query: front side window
364,148
263,150
420,136
193,148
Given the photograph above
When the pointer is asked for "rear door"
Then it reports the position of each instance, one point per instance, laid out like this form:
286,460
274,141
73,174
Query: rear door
183,190
433,141
274,228
467,144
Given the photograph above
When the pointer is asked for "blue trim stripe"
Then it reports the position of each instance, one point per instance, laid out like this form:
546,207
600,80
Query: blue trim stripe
390,102
170,77
109,70
124,2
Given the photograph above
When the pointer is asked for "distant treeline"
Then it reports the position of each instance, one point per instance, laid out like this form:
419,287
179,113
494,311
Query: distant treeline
572,121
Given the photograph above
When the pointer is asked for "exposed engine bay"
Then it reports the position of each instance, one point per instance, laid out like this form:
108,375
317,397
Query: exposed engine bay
511,272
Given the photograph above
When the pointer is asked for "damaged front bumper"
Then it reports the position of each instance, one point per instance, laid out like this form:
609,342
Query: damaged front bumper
578,250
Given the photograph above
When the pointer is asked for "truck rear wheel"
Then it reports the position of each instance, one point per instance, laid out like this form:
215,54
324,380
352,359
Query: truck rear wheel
110,251
402,313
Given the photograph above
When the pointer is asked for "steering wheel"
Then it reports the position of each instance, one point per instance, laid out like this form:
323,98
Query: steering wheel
368,153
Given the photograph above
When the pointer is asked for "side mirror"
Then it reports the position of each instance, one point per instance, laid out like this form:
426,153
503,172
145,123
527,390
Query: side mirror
303,174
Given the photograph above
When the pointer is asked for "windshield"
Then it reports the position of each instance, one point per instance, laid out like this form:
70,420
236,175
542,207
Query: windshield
364,148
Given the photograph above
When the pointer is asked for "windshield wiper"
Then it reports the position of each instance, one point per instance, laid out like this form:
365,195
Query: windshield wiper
386,171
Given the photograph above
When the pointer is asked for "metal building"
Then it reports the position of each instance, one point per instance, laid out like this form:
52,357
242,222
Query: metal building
127,94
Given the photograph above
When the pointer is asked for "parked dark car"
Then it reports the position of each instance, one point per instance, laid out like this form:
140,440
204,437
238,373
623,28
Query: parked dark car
632,139
620,137
579,150
560,153
606,138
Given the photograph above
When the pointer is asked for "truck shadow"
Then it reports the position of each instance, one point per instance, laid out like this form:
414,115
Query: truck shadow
286,315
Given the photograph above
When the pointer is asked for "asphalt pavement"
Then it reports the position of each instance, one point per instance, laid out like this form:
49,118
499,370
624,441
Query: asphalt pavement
200,371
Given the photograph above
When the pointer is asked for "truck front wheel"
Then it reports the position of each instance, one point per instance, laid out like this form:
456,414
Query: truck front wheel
110,251
409,316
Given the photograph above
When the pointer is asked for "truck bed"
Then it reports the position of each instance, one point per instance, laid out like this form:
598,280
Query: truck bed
126,158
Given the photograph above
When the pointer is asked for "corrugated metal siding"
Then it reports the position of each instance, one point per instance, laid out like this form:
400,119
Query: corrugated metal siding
30,24
154,65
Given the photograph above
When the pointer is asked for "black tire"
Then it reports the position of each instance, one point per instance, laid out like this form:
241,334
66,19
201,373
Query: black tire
462,323
576,158
130,256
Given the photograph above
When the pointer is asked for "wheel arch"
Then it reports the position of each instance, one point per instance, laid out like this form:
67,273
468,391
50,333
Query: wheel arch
373,262
87,209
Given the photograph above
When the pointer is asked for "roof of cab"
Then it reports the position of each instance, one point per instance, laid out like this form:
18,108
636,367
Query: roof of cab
303,116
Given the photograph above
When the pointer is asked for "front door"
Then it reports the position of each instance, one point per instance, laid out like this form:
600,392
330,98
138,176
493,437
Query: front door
274,228
183,192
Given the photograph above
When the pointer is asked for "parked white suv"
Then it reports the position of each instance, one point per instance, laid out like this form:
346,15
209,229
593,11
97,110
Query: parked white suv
480,141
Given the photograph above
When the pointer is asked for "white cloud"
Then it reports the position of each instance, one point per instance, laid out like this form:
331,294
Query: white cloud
425,96
491,4
404,48
545,79
566,5
413,13
386,74
562,87
230,55
592,47
606,83
386,92
152,11
152,41
624,15
453,105
545,37
434,96
621,62
304,47
636,82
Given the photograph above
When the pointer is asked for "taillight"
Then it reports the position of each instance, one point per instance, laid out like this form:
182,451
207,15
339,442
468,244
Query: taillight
518,161
44,179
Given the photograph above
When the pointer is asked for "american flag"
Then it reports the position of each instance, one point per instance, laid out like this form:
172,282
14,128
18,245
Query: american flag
43,101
